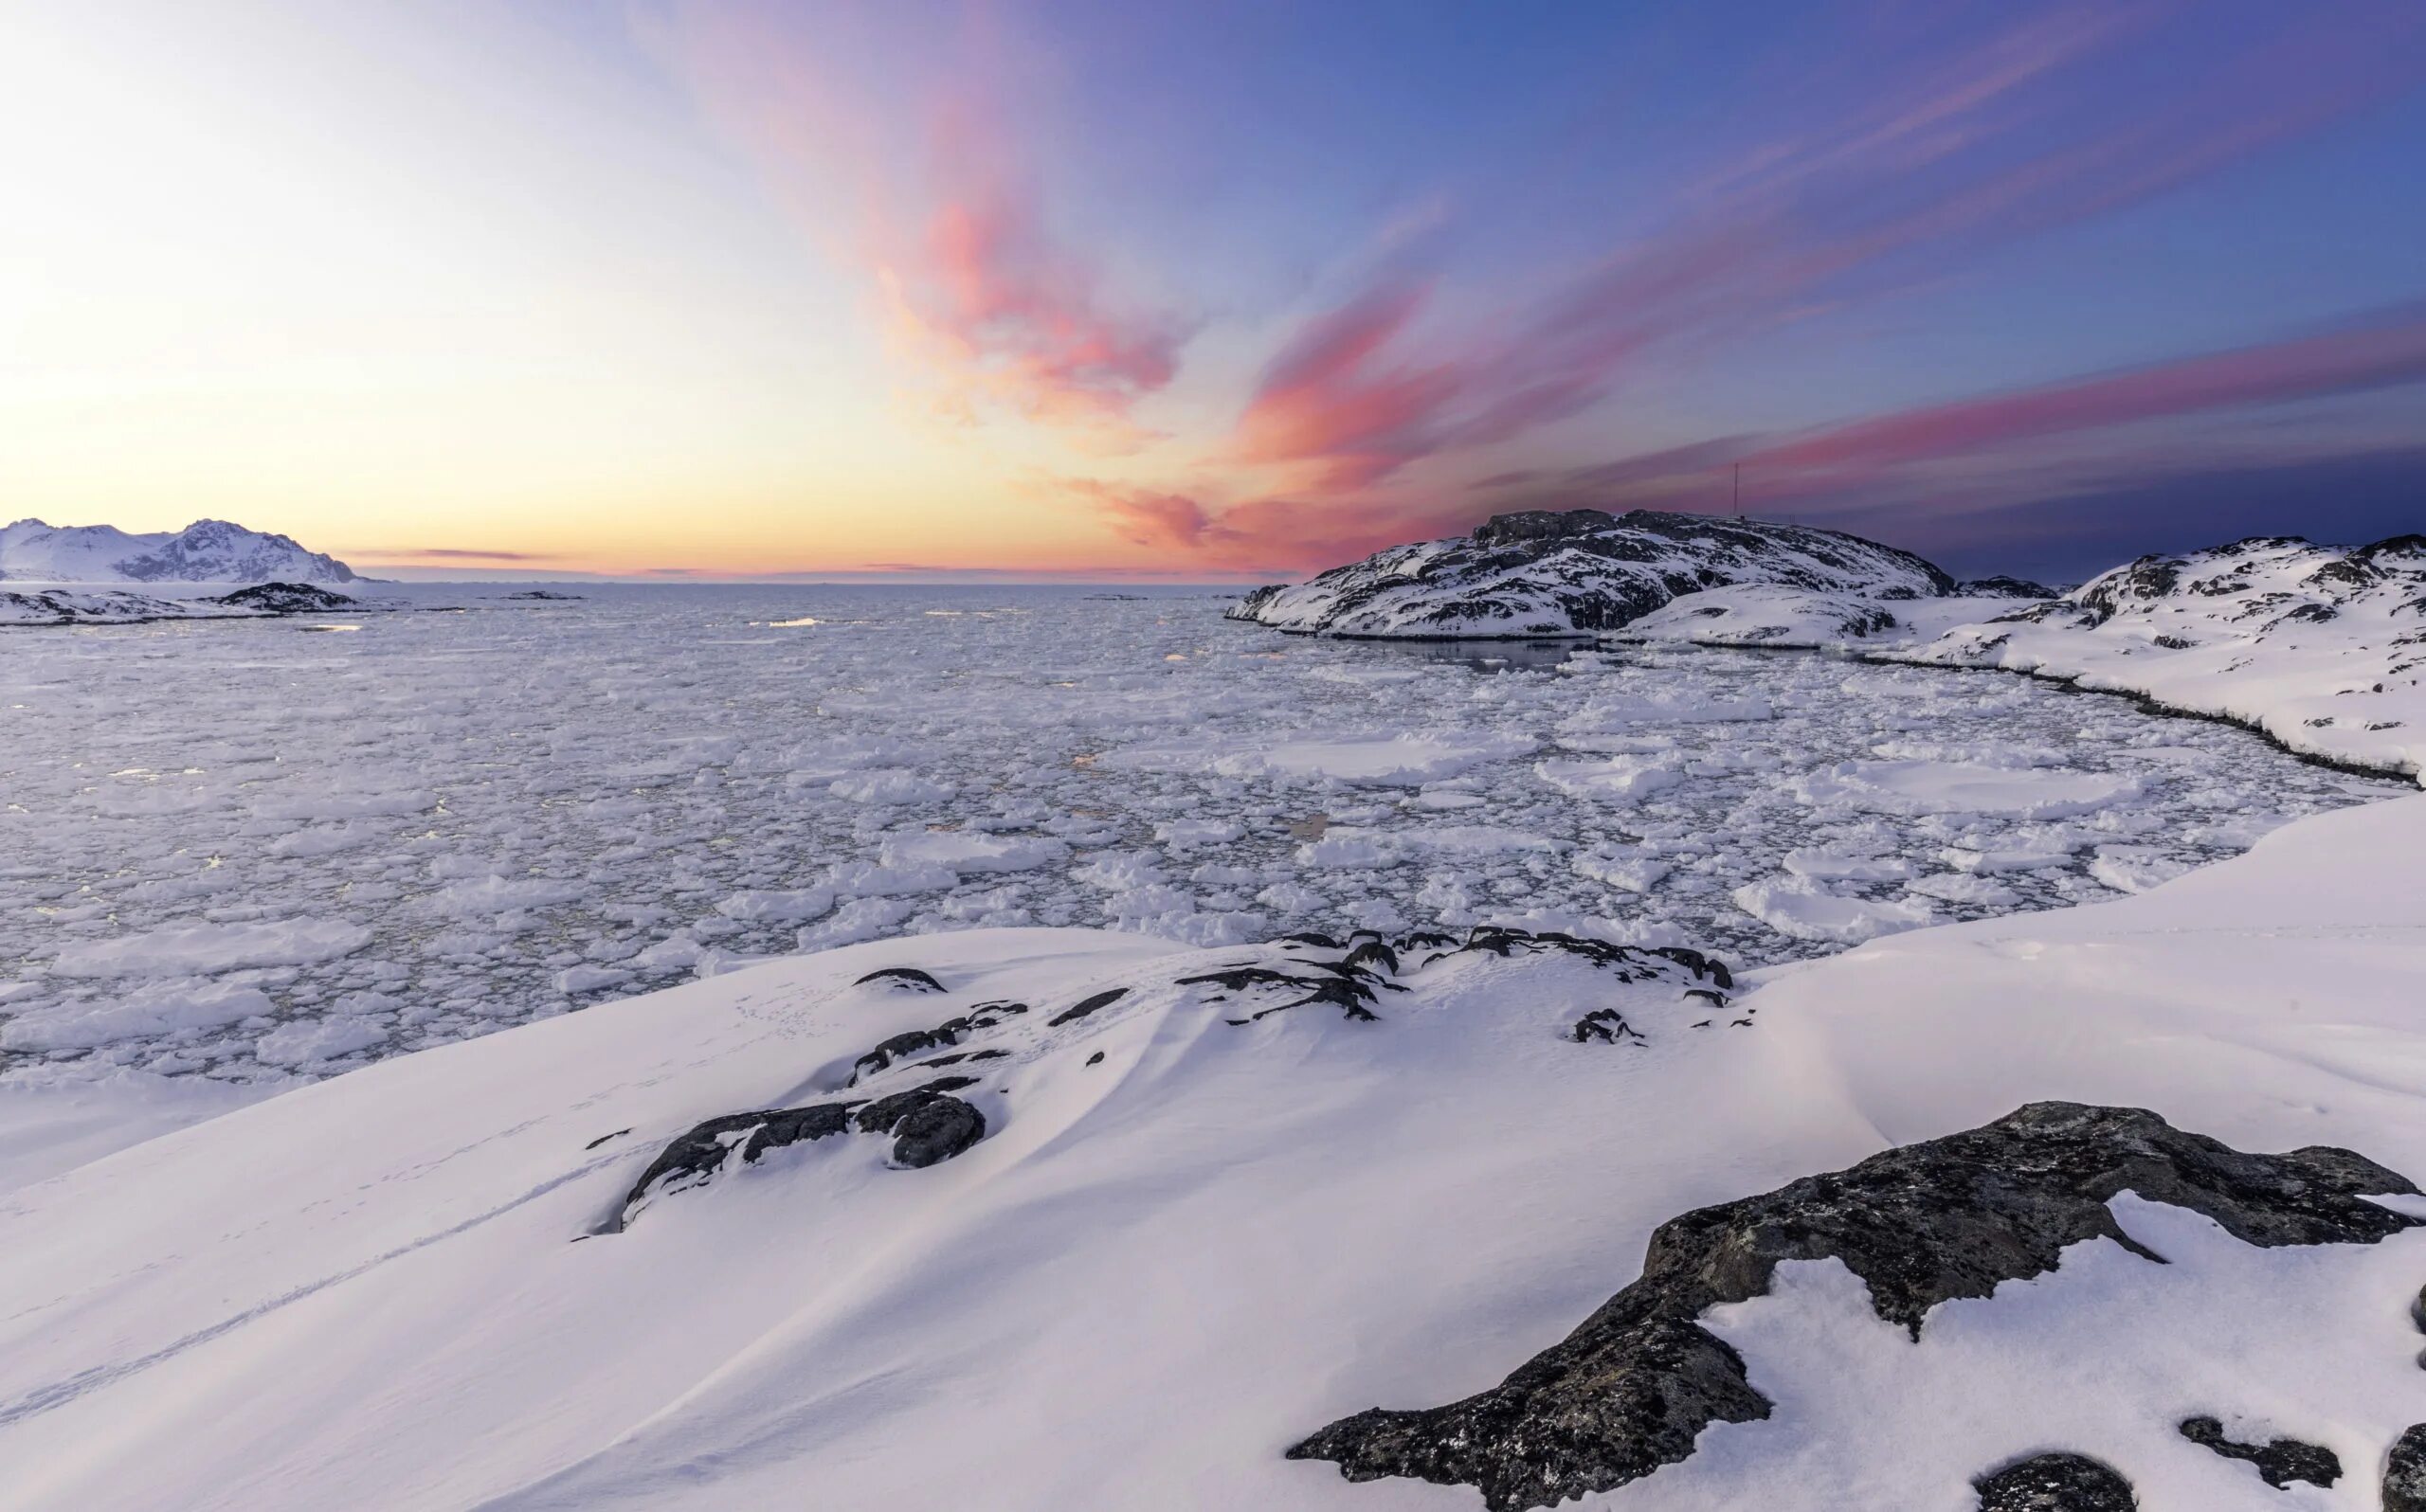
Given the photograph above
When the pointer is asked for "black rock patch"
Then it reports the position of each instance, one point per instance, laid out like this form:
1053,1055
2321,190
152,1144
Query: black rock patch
944,1035
695,1159
2056,1482
1087,1005
1629,1389
2279,1461
908,977
286,598
1606,1025
2404,1487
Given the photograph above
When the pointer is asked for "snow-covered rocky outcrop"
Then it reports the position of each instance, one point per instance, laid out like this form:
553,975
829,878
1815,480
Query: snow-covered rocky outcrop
1051,1218
1545,575
2321,647
58,607
204,552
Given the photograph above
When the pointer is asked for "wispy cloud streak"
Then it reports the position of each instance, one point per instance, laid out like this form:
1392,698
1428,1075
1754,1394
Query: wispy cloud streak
1972,156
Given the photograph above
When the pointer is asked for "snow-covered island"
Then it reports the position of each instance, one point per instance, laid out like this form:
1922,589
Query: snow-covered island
1947,1195
262,600
1575,574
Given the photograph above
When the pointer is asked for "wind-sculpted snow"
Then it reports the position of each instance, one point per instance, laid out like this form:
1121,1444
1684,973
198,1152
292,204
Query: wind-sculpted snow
1578,573
242,853
204,552
933,1118
1195,1203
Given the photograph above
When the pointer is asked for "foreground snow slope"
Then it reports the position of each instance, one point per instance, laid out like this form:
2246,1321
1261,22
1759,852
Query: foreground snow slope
1161,1268
204,552
1543,574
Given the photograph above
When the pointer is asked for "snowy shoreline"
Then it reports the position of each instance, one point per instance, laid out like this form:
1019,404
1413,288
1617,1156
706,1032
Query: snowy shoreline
1079,1309
1038,1217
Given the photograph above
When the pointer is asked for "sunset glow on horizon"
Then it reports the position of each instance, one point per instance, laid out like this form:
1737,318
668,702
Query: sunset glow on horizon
1075,290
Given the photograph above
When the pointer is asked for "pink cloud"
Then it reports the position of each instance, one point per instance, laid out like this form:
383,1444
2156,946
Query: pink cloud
946,217
2347,361
1268,535
2013,434
1966,159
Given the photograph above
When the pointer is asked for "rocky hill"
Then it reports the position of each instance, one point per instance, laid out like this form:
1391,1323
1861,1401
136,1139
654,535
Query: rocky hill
1547,576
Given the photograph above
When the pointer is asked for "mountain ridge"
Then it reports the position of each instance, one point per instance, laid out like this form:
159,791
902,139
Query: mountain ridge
208,550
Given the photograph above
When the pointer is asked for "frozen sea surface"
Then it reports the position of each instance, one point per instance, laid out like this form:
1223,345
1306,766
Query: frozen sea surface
241,850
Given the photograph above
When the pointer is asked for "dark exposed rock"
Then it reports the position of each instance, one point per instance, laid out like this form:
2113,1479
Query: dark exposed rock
1630,962
2404,1486
2279,1461
944,1035
543,595
1604,1024
2150,577
906,977
286,598
1095,1059
2001,586
927,1124
2055,1482
703,1151
603,1138
1629,1389
880,1115
1373,953
1087,1005
2408,551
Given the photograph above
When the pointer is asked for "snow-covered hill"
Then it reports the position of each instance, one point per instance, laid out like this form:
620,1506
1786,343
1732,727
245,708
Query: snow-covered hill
204,552
1544,575
2322,647
1048,1219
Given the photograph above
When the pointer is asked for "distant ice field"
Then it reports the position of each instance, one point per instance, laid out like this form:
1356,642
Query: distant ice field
239,851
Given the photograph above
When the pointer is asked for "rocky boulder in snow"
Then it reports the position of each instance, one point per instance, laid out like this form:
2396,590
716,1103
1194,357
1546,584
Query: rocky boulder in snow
2405,1488
2278,1462
2056,1482
1632,1388
1545,575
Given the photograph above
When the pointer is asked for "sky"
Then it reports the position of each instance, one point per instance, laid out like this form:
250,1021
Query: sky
1215,291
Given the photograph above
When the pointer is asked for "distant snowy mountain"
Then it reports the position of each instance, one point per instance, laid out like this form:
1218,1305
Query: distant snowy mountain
1549,575
204,552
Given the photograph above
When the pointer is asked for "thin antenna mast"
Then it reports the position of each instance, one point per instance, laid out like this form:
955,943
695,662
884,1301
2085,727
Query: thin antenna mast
1739,491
